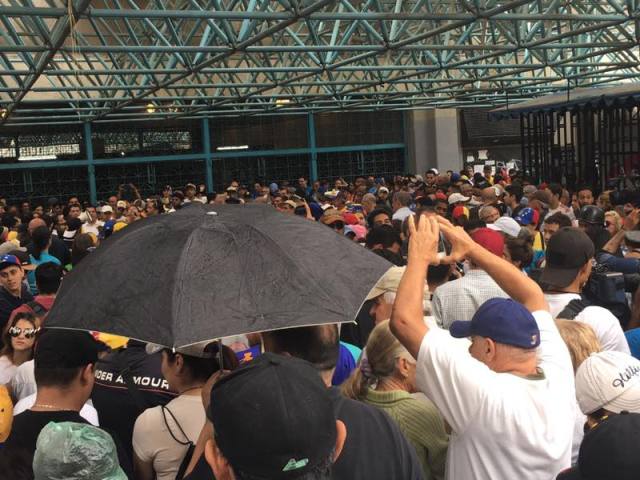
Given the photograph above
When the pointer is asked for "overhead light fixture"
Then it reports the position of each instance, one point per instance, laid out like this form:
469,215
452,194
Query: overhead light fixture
282,101
3,112
233,147
151,108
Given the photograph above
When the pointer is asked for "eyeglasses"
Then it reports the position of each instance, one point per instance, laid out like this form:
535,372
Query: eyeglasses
28,332
336,225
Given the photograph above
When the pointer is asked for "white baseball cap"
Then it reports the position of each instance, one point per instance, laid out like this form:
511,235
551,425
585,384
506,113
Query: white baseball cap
609,380
506,225
457,197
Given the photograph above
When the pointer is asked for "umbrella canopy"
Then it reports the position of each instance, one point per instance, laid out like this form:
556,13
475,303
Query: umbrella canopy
207,272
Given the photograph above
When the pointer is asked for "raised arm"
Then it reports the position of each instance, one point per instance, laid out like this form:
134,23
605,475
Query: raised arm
407,323
517,285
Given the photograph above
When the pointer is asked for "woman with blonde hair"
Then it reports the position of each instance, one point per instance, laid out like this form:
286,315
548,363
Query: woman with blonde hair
612,222
581,340
386,379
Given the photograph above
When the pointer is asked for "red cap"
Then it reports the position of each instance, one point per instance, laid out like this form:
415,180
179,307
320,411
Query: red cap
489,239
441,196
459,211
350,219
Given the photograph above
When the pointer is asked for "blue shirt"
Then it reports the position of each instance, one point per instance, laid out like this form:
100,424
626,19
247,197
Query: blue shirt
619,264
31,275
633,339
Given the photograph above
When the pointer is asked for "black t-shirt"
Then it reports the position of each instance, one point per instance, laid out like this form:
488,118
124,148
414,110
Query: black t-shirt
375,448
117,407
27,426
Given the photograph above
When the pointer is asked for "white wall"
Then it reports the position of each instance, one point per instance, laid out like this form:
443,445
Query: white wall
433,140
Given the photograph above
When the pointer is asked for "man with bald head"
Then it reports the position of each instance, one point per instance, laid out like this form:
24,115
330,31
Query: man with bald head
489,196
58,249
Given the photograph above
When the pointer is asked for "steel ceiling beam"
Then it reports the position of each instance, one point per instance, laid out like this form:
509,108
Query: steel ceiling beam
58,37
239,57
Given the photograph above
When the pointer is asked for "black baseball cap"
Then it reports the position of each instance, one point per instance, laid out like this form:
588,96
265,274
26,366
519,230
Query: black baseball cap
568,250
609,451
273,418
62,348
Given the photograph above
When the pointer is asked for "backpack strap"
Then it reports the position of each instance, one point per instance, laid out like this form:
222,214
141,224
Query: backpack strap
188,443
37,308
573,309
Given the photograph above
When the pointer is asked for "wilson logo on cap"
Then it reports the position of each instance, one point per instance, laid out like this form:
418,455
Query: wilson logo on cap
294,464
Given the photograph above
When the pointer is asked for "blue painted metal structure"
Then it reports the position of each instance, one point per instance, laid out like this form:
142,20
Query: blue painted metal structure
77,61
203,153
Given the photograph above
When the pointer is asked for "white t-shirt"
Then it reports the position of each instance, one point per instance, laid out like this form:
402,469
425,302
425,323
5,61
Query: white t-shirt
7,370
23,382
92,227
152,441
603,322
505,427
402,213
88,411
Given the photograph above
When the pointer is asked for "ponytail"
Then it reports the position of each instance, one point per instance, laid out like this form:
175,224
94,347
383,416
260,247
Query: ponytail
356,386
378,361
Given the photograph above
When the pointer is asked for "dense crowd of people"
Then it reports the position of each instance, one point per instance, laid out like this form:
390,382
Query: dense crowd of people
502,343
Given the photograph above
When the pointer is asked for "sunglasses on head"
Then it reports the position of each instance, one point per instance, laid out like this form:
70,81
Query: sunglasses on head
28,332
337,225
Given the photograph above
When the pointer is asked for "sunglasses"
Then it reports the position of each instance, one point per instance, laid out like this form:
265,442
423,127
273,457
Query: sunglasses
28,332
337,225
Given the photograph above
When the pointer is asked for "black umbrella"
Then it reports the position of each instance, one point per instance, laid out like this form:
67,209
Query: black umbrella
207,272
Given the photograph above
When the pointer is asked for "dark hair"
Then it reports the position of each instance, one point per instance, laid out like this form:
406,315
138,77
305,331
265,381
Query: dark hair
48,219
322,471
80,247
318,345
9,221
393,257
438,273
520,251
48,278
56,377
203,368
558,219
375,213
7,349
585,187
385,235
515,190
73,224
556,189
474,224
232,200
40,237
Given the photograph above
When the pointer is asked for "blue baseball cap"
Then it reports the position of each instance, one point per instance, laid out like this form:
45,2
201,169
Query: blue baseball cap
502,320
8,261
527,216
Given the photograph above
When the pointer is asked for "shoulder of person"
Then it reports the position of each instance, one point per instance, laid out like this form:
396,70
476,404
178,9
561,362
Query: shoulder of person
597,312
150,418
